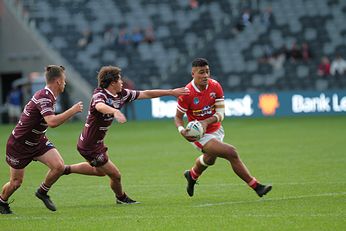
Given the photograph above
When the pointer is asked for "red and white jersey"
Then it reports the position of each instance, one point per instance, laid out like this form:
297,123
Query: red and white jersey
31,127
200,105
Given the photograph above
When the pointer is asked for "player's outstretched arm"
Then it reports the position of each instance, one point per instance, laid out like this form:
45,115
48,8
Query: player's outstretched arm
148,94
56,120
105,109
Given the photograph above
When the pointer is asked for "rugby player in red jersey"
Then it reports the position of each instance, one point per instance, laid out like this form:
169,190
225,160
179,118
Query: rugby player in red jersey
28,141
205,103
107,100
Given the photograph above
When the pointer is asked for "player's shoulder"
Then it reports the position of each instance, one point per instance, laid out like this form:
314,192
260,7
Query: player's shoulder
43,94
189,86
185,98
126,91
191,89
213,82
99,92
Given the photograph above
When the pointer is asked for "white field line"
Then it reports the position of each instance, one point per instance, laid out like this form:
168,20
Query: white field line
161,216
274,199
106,185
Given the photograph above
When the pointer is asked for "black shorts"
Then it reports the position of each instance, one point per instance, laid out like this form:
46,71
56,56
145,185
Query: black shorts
19,154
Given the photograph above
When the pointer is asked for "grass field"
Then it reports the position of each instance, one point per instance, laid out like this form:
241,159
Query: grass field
304,159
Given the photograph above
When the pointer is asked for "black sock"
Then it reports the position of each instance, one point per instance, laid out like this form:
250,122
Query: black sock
122,197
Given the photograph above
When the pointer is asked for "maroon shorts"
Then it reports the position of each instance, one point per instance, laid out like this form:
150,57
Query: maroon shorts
19,154
96,157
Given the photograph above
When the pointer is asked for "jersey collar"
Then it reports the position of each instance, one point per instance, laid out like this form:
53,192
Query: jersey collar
196,88
50,91
108,92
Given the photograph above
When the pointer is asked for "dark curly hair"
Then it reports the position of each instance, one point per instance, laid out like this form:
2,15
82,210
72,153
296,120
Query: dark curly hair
108,74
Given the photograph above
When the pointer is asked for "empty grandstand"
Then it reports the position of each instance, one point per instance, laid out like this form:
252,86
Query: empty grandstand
253,46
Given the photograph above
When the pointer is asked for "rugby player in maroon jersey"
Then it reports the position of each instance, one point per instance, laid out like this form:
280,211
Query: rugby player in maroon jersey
107,100
28,141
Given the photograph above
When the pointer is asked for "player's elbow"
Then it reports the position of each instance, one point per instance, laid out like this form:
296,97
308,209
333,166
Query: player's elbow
52,123
99,107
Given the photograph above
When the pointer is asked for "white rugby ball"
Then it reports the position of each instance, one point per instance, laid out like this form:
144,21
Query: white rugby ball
195,129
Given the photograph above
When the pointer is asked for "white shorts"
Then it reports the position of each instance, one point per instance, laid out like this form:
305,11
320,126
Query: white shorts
218,134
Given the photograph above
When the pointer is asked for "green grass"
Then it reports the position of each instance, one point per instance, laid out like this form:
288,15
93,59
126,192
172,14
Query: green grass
304,158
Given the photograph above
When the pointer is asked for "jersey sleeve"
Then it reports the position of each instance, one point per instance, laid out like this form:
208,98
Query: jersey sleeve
182,105
98,98
219,91
130,95
95,99
45,105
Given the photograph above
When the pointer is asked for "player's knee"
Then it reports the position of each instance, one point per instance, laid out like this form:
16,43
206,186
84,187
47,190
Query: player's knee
208,160
211,162
99,173
59,168
232,152
204,160
116,176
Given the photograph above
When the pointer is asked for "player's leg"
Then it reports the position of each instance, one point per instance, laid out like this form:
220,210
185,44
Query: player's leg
16,179
201,164
115,182
83,168
55,163
219,149
115,177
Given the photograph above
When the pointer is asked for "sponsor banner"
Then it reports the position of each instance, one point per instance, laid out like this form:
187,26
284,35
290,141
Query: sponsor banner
256,105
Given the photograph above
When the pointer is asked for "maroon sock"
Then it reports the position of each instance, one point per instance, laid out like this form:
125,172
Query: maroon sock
43,189
122,197
2,200
67,170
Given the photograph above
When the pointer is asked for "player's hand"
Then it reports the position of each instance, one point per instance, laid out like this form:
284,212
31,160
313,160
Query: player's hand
180,91
119,116
187,137
78,107
204,125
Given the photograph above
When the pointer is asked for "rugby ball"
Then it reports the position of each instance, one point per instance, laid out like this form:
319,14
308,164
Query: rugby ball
195,129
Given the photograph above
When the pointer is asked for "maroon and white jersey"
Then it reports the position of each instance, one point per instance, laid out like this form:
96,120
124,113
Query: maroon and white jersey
31,126
97,123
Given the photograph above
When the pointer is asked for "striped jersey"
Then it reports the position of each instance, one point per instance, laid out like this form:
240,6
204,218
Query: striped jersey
31,126
97,123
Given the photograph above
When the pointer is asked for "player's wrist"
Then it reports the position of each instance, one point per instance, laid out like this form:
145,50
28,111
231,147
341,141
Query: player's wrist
217,116
180,129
